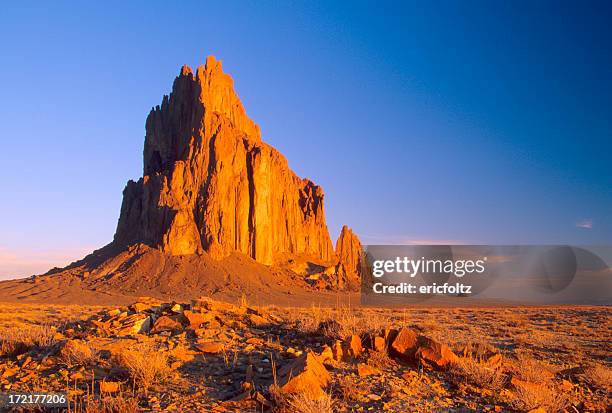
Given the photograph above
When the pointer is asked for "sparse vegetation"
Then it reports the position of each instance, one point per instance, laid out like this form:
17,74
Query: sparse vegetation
530,397
78,352
301,403
599,377
111,405
146,365
380,359
349,389
529,369
18,340
477,374
110,366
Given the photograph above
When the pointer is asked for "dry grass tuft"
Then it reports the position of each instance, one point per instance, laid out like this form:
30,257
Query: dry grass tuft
339,322
77,352
146,365
529,369
477,374
17,340
112,405
349,389
599,377
301,403
380,359
526,398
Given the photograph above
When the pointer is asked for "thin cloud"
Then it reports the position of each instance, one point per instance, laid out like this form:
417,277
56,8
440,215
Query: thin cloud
19,263
403,240
585,223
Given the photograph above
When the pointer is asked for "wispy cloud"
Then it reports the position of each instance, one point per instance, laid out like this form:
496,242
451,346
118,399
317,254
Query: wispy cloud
585,223
19,263
369,239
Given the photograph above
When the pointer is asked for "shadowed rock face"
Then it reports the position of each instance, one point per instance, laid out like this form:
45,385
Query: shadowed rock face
211,184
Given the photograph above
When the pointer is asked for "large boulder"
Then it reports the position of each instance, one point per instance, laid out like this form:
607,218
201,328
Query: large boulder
305,375
411,347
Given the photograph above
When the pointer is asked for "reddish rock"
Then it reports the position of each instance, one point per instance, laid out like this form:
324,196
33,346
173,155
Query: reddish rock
134,324
210,347
327,353
433,353
305,375
405,344
258,321
167,323
109,386
366,370
195,320
349,252
338,351
211,184
379,344
352,347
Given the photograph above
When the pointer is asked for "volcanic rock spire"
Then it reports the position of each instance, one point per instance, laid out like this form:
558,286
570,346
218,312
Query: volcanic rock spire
211,184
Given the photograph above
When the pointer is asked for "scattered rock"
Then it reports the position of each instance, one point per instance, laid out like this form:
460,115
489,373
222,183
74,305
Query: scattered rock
366,370
405,344
195,320
210,347
379,344
167,323
109,386
135,324
353,347
433,353
305,375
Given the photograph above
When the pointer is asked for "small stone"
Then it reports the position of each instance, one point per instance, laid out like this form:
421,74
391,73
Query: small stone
379,344
210,347
109,386
167,323
353,347
366,370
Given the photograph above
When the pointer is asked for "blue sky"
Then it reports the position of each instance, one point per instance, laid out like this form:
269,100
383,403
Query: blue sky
471,122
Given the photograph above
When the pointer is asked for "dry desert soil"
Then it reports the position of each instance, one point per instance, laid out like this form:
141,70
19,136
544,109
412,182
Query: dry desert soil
210,356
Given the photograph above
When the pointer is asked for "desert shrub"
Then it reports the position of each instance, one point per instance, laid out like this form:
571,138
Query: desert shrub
350,390
529,369
478,374
380,359
146,365
17,340
79,353
599,377
308,322
301,403
112,405
526,398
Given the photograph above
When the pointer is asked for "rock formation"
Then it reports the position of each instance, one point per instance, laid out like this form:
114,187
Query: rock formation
211,184
349,252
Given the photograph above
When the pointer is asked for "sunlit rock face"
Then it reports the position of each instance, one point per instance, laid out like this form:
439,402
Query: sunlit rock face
211,184
349,252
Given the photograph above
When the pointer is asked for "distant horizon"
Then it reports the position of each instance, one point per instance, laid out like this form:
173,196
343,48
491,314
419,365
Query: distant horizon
447,123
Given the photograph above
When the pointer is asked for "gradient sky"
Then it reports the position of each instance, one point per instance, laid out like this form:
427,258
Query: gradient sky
463,122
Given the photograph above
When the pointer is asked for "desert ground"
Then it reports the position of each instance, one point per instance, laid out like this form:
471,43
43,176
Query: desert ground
212,356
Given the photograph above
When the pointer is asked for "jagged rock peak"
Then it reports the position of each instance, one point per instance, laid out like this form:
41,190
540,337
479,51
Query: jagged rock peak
211,184
349,252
